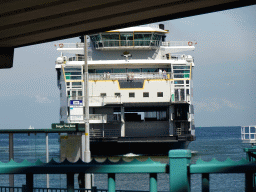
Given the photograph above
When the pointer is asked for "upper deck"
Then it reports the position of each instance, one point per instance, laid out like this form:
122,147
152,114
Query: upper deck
149,39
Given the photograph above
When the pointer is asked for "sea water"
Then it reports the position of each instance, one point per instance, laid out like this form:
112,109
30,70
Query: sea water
211,142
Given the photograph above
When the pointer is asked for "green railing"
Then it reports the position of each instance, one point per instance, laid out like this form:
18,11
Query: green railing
178,168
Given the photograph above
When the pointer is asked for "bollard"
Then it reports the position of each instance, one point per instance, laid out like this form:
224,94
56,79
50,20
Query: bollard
179,172
111,182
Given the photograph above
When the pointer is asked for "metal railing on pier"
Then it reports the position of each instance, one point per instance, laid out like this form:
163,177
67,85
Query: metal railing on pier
178,167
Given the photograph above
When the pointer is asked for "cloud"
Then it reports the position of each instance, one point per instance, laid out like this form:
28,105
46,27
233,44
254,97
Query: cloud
215,104
41,99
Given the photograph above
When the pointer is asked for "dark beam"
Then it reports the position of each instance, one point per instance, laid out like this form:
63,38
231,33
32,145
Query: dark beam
6,57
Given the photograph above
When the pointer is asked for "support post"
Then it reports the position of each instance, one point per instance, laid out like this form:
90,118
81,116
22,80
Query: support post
29,182
70,182
11,156
87,152
205,182
171,111
153,182
179,161
111,182
47,157
122,122
248,182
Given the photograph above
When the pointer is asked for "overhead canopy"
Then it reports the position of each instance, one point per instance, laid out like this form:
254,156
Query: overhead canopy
31,22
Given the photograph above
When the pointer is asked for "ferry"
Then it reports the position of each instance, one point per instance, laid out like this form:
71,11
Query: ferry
140,92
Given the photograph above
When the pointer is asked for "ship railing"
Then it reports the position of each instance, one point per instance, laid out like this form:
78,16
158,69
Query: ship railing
94,100
98,133
114,118
175,57
248,134
125,43
130,76
79,58
103,100
71,45
76,118
178,43
99,117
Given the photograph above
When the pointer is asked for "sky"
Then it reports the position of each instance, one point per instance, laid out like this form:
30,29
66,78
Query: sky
224,77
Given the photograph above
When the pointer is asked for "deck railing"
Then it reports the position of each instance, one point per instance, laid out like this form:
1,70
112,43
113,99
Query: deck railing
179,169
131,76
125,43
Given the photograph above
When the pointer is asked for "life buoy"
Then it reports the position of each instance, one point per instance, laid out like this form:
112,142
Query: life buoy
61,45
190,43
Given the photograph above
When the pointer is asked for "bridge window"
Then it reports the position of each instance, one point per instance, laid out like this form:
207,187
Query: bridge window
160,94
132,94
145,94
103,94
117,94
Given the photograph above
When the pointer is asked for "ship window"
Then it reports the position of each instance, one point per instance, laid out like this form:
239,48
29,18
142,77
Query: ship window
149,70
187,91
110,36
141,39
91,70
133,70
132,94
145,94
160,94
73,93
77,83
95,37
75,77
178,82
119,70
103,70
166,69
187,81
181,67
80,93
156,36
117,94
110,40
72,73
68,93
103,94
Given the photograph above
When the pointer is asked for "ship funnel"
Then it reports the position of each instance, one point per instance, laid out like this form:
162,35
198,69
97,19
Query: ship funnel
161,26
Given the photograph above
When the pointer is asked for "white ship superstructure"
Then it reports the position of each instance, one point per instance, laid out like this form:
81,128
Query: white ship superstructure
138,84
